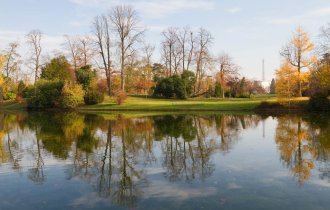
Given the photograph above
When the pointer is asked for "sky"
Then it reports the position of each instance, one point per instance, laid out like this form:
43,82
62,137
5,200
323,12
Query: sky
248,30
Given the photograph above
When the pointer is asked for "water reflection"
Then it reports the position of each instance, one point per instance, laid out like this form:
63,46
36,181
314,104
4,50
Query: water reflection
112,152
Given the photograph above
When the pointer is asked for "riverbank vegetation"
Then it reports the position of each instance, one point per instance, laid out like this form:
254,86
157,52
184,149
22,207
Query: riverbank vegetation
116,61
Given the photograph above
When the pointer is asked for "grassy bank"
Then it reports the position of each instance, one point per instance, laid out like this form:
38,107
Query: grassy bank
13,105
196,104
136,103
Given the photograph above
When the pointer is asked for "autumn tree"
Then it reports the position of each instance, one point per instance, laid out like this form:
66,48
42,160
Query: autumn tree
101,31
126,25
2,60
297,53
33,38
227,70
286,80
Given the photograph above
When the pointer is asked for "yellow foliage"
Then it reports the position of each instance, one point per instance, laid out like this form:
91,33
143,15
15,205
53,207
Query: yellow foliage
287,81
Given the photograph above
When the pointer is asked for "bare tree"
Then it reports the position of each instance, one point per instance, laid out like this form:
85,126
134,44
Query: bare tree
324,45
12,59
148,50
33,38
203,57
169,48
126,26
296,53
101,30
85,50
191,41
227,70
72,45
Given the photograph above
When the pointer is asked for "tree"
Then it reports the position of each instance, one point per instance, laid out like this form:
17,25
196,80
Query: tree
169,44
101,30
272,86
170,87
85,76
126,26
227,70
2,60
33,38
296,52
324,43
286,80
189,80
202,55
73,47
58,68
12,59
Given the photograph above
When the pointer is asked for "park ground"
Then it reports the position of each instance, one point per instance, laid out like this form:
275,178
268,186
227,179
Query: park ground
140,103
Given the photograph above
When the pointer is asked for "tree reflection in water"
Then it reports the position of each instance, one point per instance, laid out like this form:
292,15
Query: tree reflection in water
111,152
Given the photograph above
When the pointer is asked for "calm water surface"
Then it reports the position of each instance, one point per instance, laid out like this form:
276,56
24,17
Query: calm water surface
194,161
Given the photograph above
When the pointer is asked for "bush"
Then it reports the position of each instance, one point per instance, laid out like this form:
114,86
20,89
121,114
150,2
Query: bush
93,96
9,96
319,102
121,96
171,87
47,94
72,95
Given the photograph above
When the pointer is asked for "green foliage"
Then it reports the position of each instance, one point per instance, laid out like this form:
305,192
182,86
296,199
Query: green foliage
21,88
72,95
85,76
210,92
93,96
272,87
189,80
47,94
171,87
217,90
58,69
319,102
9,96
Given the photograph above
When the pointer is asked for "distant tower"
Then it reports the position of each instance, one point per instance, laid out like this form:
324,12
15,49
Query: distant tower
263,70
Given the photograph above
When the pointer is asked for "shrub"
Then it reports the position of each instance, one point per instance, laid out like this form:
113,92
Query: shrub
85,75
121,96
21,88
72,95
47,94
319,102
93,96
19,99
9,96
171,87
217,90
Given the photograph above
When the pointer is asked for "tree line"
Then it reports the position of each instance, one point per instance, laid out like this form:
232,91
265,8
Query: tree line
305,68
115,59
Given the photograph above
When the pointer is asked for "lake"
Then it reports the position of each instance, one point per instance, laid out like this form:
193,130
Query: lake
164,161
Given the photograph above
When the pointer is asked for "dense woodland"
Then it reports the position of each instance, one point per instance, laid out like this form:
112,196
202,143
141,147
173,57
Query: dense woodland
116,60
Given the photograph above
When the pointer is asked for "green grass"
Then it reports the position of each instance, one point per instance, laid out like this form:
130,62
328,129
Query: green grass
199,104
12,105
138,103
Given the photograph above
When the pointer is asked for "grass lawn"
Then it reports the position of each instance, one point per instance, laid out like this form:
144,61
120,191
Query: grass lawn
12,105
136,103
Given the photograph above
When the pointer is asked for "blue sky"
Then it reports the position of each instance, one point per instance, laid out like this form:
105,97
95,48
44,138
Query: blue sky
249,30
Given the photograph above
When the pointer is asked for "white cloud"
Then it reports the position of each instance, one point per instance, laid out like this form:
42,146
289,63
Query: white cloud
234,10
154,8
298,19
